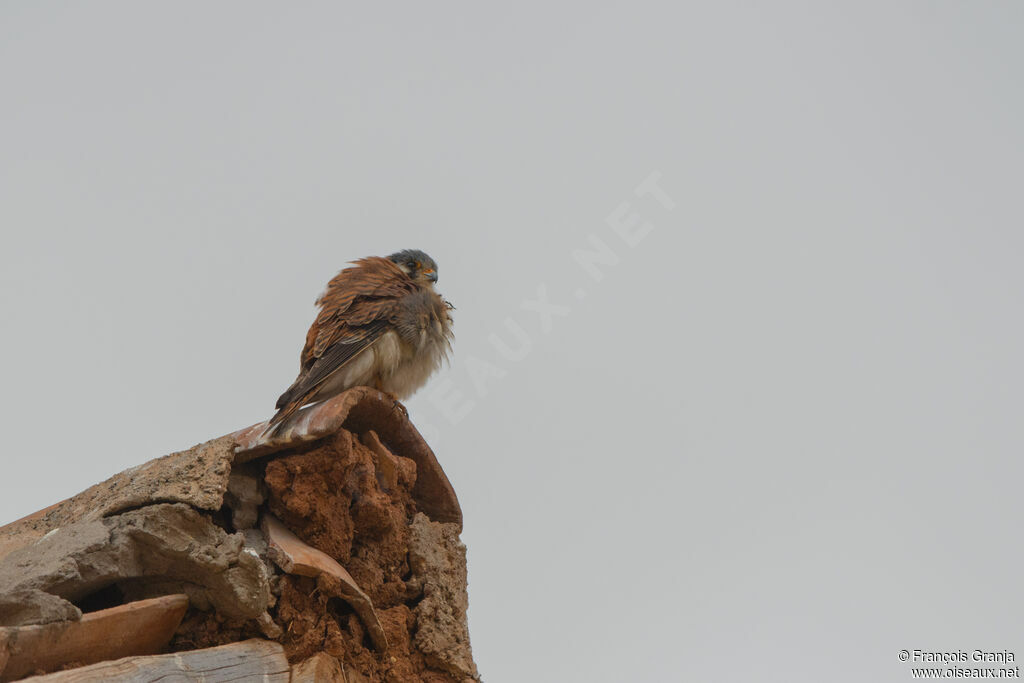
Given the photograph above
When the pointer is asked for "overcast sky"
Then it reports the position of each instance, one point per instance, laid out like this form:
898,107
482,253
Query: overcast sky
736,392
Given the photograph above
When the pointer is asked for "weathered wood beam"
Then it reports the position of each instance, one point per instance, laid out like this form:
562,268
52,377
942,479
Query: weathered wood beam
249,660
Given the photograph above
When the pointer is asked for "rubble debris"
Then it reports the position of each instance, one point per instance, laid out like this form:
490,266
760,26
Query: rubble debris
169,541
198,477
360,410
386,464
295,557
244,495
320,668
33,606
357,560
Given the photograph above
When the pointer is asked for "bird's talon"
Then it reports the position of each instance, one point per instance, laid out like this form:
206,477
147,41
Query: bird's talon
400,408
396,404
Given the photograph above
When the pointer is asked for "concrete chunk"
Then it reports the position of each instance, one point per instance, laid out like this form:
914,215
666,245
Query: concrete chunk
438,559
198,477
168,541
32,606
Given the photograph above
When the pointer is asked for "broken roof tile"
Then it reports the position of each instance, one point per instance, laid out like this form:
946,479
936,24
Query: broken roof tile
295,557
138,628
360,410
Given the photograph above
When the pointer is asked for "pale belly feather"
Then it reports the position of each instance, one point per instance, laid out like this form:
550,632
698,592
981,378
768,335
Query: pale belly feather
389,364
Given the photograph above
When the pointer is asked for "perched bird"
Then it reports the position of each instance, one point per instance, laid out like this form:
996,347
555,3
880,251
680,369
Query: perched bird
381,324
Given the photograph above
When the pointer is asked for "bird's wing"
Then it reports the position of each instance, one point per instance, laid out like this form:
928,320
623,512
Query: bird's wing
354,298
348,343
359,306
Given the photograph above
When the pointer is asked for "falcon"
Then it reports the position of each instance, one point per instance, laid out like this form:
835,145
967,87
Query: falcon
381,324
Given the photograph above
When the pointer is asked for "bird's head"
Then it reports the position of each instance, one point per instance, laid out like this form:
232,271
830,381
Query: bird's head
416,264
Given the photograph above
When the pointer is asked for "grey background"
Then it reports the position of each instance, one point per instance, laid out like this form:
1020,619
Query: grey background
779,440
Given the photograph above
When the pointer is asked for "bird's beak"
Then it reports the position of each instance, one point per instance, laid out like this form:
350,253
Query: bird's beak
431,275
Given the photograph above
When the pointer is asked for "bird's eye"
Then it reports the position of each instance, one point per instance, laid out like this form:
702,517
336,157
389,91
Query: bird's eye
411,265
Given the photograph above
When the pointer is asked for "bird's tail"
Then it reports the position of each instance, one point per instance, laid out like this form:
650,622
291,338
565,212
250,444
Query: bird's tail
279,417
286,408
